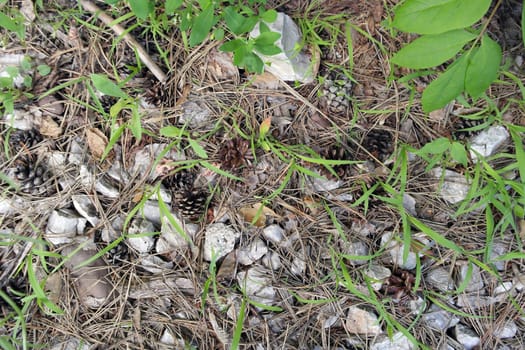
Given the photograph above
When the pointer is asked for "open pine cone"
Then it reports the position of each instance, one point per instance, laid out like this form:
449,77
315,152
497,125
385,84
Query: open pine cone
188,198
234,154
24,140
379,143
32,176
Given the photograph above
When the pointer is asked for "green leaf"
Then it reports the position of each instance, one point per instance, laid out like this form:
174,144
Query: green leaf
438,146
432,50
201,26
253,63
483,67
267,38
458,153
234,20
269,16
172,131
438,16
106,86
268,50
13,25
198,149
446,87
141,8
231,45
172,5
43,69
135,125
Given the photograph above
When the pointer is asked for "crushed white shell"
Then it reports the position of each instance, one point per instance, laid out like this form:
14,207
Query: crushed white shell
219,240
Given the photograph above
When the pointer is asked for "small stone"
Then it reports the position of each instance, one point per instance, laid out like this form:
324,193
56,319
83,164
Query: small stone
86,208
248,255
219,240
195,113
63,225
507,330
354,250
399,341
141,238
103,187
466,336
476,282
298,266
274,233
322,184
474,301
155,264
488,141
72,344
255,282
498,249
503,291
167,337
453,188
440,279
409,203
440,320
396,252
359,321
377,275
272,261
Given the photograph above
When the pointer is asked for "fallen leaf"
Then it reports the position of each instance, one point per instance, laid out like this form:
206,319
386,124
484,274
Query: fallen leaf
266,81
257,212
265,126
228,267
50,128
221,66
97,142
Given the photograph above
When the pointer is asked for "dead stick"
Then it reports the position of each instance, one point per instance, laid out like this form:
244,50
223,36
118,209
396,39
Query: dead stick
119,30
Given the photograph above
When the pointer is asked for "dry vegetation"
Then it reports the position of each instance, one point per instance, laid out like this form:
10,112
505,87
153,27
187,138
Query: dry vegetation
202,304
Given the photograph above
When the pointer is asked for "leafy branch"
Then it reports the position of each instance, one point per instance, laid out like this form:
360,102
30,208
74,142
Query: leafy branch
447,32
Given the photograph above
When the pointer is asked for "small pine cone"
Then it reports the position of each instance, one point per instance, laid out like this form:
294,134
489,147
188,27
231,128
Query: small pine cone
32,177
118,254
234,153
155,94
107,102
21,140
379,144
191,204
460,134
336,153
182,180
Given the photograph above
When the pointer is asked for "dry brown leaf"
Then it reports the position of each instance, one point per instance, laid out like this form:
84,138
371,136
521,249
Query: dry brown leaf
312,205
228,267
50,128
257,212
266,81
221,66
97,142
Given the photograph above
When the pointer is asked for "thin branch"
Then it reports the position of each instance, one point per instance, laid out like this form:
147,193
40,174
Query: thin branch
119,30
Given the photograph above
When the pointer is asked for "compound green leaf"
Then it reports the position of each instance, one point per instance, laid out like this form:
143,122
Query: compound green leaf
446,87
267,38
432,50
438,16
483,67
234,20
201,25
141,8
269,16
231,45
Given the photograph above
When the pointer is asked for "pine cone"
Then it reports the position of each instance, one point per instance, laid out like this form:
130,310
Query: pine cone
12,287
336,152
21,140
107,102
234,154
118,254
460,134
187,199
379,144
32,176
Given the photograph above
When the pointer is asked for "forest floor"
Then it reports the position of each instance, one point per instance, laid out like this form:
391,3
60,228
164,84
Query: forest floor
223,209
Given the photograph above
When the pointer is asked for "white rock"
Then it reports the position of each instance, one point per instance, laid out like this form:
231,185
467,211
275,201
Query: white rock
56,162
63,225
466,336
156,288
354,250
396,252
359,321
488,141
474,301
146,157
499,249
255,282
272,261
440,320
398,342
298,266
454,187
114,231
440,279
274,233
195,113
253,252
178,236
219,240
507,330
377,274
20,119
167,337
151,212
141,235
475,283
87,179
503,291
86,208
322,184
103,187
291,64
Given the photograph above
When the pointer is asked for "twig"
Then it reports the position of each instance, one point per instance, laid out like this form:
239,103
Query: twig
119,30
